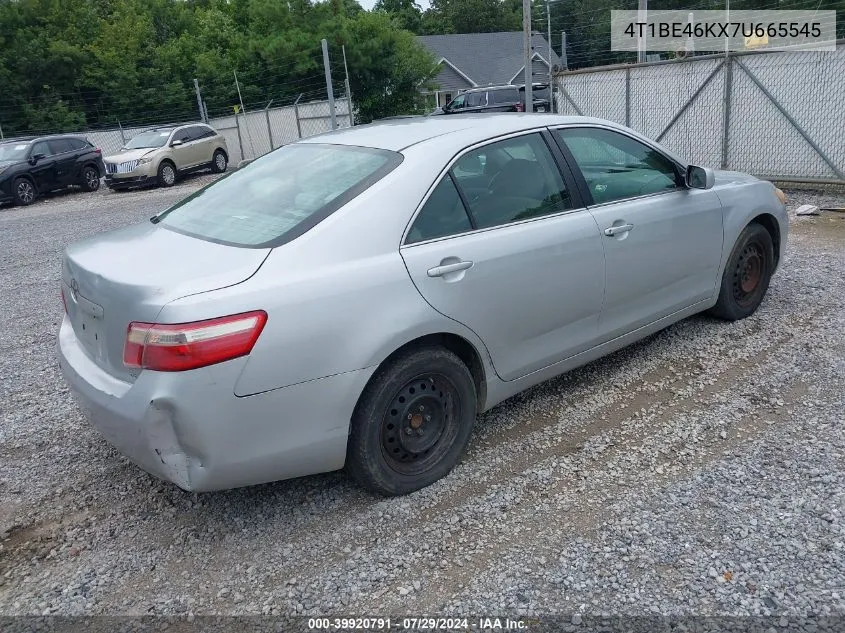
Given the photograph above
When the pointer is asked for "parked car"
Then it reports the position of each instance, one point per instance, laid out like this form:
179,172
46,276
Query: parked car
498,99
35,166
162,154
358,298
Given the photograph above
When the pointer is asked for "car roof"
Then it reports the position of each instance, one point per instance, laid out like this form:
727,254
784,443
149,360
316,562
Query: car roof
32,139
398,134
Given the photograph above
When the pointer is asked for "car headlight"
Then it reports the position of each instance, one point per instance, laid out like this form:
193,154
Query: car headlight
144,161
781,195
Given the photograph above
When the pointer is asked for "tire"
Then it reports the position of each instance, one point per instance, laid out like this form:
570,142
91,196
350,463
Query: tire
747,274
219,162
24,192
90,178
166,174
412,422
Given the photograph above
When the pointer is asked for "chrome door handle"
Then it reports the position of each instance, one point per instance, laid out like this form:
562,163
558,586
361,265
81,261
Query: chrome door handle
439,271
622,228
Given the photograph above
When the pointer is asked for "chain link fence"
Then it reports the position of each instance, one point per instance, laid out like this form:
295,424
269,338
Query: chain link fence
251,134
779,115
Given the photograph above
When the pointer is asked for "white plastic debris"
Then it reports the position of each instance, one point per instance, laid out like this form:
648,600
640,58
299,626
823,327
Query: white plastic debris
807,209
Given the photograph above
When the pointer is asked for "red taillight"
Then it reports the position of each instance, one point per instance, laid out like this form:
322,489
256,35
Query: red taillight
97,150
520,107
182,346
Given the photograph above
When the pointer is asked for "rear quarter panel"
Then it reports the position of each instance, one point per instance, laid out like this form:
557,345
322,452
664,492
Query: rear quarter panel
339,297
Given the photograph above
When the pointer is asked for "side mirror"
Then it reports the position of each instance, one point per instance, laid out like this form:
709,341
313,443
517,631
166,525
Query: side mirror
700,177
175,143
35,158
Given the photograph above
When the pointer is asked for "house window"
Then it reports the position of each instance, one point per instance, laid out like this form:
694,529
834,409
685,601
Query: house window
447,97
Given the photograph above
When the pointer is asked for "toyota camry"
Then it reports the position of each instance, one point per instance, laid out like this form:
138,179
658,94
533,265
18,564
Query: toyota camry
356,299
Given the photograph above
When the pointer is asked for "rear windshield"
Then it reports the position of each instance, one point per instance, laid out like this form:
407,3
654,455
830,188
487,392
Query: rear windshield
279,196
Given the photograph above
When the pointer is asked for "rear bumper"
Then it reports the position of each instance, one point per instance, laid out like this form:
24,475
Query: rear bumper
189,427
124,182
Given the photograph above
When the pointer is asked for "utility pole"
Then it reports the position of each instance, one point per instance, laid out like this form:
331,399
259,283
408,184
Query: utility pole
642,18
199,101
526,50
329,83
348,90
563,62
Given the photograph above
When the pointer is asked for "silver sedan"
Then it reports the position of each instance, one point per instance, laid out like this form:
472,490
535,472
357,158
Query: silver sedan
356,299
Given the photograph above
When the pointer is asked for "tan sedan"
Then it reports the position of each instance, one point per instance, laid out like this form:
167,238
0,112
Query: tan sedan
162,154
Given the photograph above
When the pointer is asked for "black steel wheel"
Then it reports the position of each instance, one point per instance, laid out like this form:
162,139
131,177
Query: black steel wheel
412,423
747,274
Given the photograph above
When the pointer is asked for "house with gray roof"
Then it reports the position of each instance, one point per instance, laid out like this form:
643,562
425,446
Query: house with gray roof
473,60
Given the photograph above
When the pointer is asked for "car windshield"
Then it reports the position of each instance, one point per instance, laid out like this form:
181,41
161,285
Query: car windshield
152,138
13,151
280,195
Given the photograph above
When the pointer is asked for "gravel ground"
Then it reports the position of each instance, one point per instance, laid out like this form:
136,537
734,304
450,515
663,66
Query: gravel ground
699,472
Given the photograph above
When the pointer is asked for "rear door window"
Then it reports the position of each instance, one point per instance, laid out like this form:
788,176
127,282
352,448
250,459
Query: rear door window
61,145
442,215
280,195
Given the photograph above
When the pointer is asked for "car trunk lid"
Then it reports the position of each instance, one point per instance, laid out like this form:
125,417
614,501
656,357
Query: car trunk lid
130,274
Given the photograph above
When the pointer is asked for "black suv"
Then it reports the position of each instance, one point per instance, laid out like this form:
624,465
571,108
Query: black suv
33,166
498,99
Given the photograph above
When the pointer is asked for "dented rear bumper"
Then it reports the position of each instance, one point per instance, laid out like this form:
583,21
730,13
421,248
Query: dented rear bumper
189,427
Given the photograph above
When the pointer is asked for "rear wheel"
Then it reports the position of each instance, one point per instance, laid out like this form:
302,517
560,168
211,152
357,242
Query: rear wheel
219,162
90,178
166,174
24,191
747,274
412,423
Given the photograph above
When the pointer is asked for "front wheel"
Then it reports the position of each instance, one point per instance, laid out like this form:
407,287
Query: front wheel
24,192
747,274
166,174
412,423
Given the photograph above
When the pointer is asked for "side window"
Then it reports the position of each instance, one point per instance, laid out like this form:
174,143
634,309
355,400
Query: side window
183,135
616,166
206,132
458,102
476,99
443,214
41,147
78,144
504,96
60,145
519,181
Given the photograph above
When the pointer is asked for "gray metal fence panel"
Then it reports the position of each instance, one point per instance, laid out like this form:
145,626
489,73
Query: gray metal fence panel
247,136
777,114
